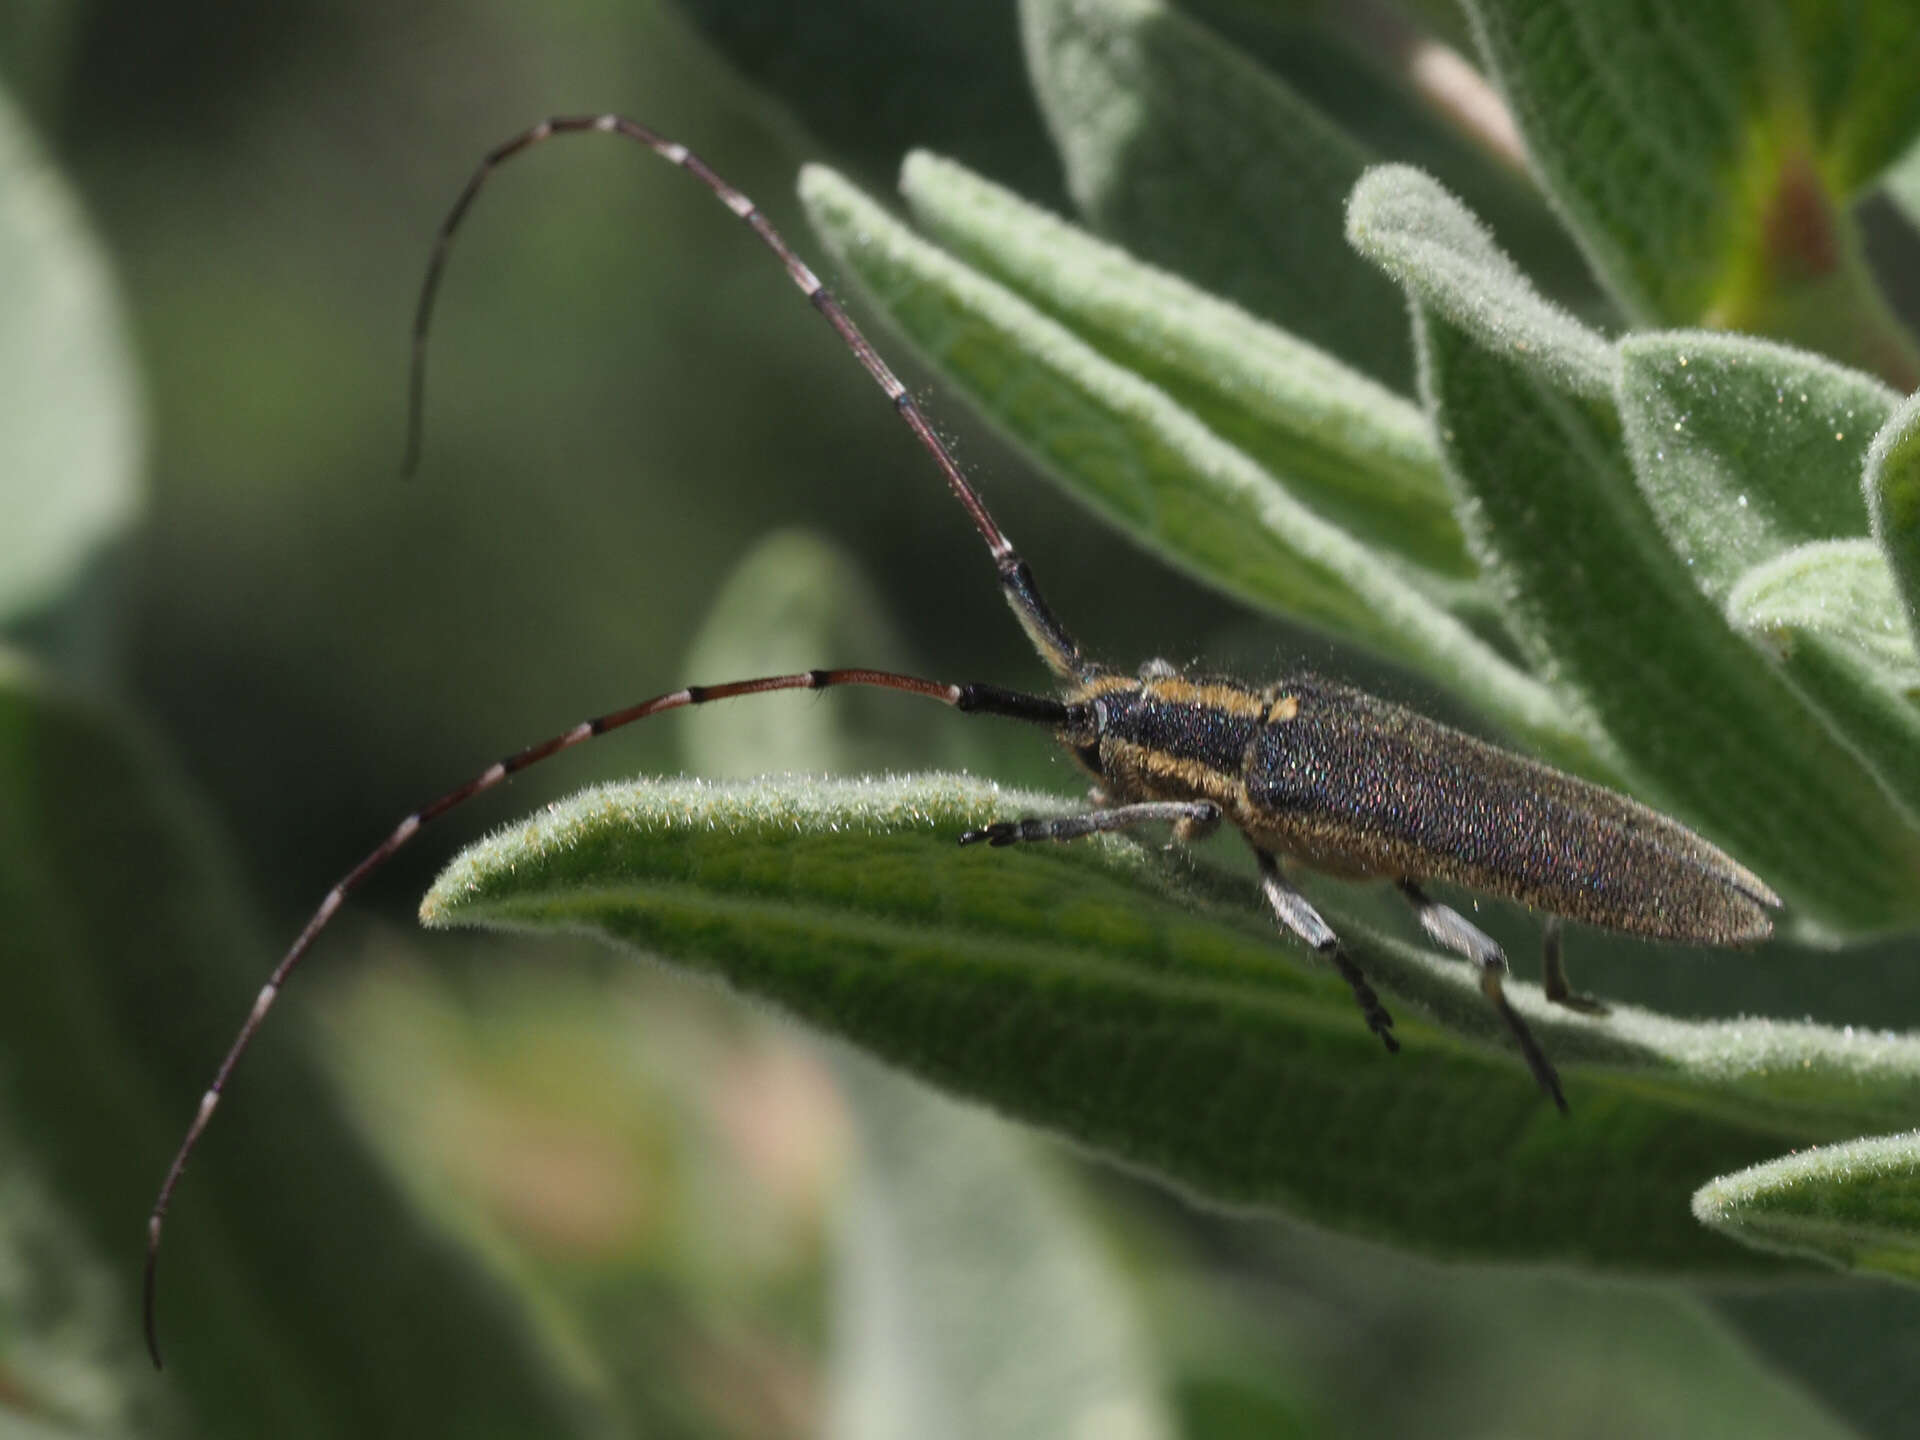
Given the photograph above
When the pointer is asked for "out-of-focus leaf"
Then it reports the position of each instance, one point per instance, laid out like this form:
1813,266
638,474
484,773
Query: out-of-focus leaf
650,1166
793,602
1901,184
1147,464
1356,452
69,405
1850,1343
902,88
1523,403
67,1364
974,1297
1855,1205
1893,499
1152,1015
1193,157
1828,613
1472,1344
1745,449
1703,153
299,1296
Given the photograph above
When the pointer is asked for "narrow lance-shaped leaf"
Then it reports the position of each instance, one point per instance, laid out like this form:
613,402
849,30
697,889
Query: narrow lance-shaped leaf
1703,153
1828,614
1356,452
1523,401
1855,1206
1193,157
1147,464
1116,997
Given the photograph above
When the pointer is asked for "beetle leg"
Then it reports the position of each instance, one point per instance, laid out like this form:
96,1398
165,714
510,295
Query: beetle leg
1296,914
1191,818
1451,930
1553,974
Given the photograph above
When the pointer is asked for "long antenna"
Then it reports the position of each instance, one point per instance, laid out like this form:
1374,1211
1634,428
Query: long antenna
972,699
1050,638
810,286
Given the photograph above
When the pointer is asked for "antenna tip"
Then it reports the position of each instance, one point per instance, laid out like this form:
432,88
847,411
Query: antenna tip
147,1298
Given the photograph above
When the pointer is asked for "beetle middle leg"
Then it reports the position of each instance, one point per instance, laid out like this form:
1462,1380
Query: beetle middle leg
1448,928
1296,914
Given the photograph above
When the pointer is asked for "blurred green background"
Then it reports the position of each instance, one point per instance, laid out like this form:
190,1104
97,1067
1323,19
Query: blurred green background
626,397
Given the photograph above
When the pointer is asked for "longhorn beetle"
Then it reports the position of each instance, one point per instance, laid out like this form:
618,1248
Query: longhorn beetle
1305,767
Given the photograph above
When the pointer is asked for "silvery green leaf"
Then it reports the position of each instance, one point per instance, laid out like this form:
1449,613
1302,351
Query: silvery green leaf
1146,1009
1828,613
1854,1205
1703,153
1523,399
1192,156
1356,452
1745,449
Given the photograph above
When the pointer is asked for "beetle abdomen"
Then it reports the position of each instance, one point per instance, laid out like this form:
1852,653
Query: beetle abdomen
1356,784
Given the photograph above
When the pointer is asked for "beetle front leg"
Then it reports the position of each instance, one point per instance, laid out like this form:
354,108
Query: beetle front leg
1296,914
1191,819
1451,930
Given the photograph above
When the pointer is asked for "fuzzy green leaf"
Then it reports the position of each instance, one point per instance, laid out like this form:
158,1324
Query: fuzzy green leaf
69,405
1149,1012
1745,449
1703,153
1749,455
1828,613
1146,464
1193,157
1893,500
1358,454
1403,221
299,1296
974,1297
1855,1206
1524,405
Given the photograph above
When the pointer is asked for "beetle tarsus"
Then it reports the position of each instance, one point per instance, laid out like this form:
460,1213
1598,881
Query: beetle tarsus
1448,928
1543,1071
1553,975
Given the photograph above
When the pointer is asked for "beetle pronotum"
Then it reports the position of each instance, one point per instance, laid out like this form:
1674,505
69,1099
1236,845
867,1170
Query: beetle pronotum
1304,768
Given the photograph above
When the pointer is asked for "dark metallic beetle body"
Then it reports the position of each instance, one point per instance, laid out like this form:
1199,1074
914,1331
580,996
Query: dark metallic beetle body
1356,786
